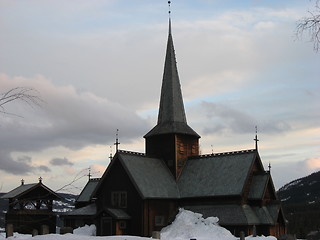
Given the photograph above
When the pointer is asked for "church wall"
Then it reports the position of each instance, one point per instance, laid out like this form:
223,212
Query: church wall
186,146
163,147
116,180
158,214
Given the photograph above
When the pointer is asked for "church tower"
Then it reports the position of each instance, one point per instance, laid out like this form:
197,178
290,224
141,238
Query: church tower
172,139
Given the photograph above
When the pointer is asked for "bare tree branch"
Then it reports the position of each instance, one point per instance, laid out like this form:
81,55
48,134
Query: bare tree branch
69,186
27,95
311,25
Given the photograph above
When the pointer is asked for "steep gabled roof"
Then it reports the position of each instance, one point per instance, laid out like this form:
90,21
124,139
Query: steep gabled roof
87,192
16,193
216,175
258,185
171,117
151,176
24,189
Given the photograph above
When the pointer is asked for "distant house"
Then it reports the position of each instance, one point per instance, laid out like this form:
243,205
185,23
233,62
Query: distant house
30,208
141,192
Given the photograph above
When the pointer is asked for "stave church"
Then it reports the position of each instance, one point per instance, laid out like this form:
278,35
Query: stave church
140,193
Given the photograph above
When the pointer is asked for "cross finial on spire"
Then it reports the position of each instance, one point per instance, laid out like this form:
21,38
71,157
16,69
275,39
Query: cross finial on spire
256,138
117,143
110,156
89,174
269,167
40,179
22,181
169,5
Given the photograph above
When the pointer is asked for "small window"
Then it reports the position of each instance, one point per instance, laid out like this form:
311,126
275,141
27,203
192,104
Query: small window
159,220
119,199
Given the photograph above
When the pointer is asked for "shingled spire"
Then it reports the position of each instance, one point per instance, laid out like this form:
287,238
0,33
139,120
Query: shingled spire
172,139
171,117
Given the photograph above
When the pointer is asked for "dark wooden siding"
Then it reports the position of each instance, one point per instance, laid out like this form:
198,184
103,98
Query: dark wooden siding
117,180
158,214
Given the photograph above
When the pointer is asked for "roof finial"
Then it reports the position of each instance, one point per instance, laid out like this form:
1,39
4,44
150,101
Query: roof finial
169,5
117,140
110,156
89,174
269,167
256,138
40,179
22,181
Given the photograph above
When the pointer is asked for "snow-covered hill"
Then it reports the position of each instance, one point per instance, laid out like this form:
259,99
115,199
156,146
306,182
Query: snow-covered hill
303,190
301,204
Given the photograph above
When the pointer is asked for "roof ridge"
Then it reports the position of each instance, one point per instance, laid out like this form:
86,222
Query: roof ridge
224,153
95,179
132,152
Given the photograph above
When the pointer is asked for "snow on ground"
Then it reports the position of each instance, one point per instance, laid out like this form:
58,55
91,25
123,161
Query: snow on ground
186,226
86,230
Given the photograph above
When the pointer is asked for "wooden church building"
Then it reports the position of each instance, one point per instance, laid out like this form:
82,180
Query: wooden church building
141,192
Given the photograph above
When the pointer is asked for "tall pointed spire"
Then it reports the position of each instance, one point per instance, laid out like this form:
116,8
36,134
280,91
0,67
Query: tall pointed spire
172,140
171,117
171,102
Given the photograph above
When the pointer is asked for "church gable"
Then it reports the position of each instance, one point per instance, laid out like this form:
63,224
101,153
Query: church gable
150,176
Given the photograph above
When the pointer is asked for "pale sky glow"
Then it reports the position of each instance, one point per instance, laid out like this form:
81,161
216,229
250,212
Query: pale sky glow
98,67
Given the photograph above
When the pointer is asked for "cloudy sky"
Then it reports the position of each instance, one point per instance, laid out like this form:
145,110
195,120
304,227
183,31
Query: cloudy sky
97,66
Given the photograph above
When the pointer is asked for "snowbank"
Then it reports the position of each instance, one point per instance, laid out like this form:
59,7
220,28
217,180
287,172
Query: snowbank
188,225
86,230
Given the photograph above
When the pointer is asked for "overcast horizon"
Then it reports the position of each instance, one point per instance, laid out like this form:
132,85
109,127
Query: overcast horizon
98,65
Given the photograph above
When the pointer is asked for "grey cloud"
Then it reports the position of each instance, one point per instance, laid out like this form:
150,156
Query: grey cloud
44,168
8,164
24,159
224,118
69,118
60,161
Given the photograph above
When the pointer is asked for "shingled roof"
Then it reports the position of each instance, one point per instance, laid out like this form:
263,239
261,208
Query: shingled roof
205,176
258,186
151,176
239,214
216,175
26,190
171,117
87,192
